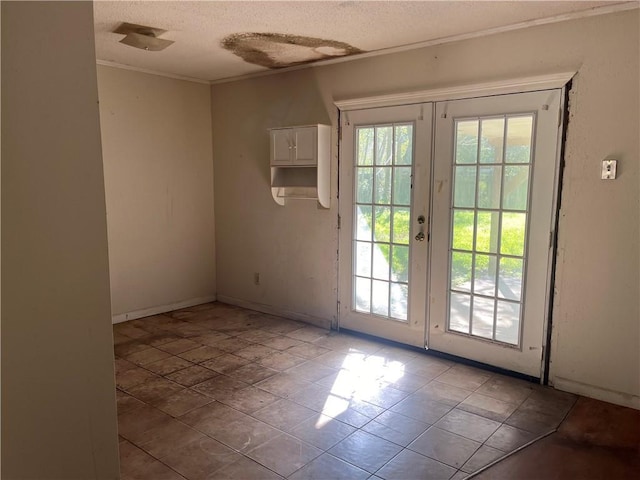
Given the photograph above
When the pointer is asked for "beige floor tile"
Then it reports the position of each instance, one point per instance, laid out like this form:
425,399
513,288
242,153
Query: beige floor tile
312,371
136,422
240,433
427,367
507,389
365,451
198,460
464,377
307,350
182,402
322,431
253,373
220,386
136,464
488,407
444,393
445,447
283,384
281,342
191,376
153,391
280,361
329,467
225,363
483,457
396,428
168,365
421,408
179,346
308,334
284,454
201,354
132,377
244,469
250,399
148,355
468,425
508,438
255,352
232,344
164,439
408,465
283,414
124,349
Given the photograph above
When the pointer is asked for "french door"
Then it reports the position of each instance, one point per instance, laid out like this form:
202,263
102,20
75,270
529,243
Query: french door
384,207
495,174
451,202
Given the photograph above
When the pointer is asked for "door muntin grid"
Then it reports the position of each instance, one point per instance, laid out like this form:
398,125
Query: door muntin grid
382,219
492,177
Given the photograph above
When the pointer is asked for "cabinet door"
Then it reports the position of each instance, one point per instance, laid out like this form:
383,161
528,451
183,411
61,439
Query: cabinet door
306,146
281,147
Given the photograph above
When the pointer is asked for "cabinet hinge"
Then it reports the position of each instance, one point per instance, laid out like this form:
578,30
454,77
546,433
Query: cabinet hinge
339,222
550,239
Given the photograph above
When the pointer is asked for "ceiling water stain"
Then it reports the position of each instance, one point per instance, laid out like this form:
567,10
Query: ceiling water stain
276,50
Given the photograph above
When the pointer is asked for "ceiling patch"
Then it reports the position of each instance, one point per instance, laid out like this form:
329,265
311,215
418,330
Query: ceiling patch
142,37
276,50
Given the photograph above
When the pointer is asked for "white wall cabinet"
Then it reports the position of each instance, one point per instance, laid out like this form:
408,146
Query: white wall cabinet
300,159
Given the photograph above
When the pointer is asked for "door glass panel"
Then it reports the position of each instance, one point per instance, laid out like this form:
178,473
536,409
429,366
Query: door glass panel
513,232
384,145
383,185
483,313
380,261
363,222
492,140
467,141
383,219
400,263
510,280
516,186
459,312
382,223
484,274
465,187
489,187
380,298
403,141
508,322
461,267
463,229
365,146
365,185
489,226
363,259
363,294
402,186
401,219
519,138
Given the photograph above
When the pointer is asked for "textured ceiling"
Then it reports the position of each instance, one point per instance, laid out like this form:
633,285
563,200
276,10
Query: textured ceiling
304,31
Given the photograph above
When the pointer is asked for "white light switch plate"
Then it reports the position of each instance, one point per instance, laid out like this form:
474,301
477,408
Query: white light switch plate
609,169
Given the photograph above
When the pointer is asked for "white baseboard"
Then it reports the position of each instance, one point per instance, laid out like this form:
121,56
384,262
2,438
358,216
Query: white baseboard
271,310
147,312
586,390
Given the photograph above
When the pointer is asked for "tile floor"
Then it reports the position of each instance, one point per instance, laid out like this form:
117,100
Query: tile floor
220,392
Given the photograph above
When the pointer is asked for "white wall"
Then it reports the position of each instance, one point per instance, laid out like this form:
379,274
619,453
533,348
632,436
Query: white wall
595,347
156,140
58,389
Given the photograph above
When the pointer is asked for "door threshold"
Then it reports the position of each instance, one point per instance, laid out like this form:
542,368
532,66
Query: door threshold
444,356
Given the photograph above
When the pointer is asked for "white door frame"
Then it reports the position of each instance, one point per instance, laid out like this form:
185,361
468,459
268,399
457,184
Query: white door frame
557,80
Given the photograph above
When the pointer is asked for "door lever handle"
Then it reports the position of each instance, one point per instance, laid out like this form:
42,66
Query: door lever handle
420,237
